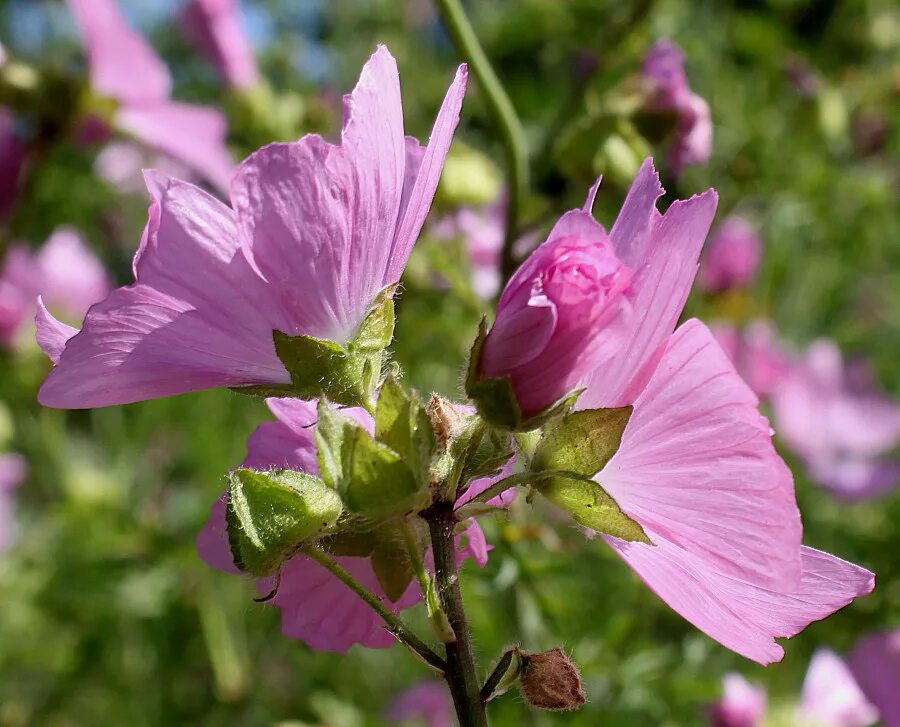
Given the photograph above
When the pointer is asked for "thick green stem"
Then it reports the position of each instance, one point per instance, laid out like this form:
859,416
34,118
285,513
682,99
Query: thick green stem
460,672
394,624
501,108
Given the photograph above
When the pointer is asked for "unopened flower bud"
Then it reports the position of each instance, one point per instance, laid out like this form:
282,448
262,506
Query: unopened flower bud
551,681
560,307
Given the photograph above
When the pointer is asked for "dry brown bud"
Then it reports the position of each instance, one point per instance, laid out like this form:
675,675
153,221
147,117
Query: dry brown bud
447,419
550,680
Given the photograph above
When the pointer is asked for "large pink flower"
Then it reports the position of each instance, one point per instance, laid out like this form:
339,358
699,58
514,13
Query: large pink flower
875,663
834,417
64,271
315,231
316,607
664,66
696,468
589,307
124,68
214,26
831,697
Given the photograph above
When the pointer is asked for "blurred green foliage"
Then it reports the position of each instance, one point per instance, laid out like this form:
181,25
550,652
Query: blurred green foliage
107,616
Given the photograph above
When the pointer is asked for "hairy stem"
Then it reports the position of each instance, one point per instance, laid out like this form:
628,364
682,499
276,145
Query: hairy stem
394,624
501,108
460,672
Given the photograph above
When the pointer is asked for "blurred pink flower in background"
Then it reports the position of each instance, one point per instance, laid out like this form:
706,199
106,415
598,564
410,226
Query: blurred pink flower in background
121,163
875,663
214,26
12,158
63,271
315,232
13,471
316,607
831,696
742,705
590,305
835,418
732,256
756,353
427,703
123,67
664,66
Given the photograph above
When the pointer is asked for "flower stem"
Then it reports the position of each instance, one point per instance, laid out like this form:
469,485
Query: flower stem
501,108
460,672
394,624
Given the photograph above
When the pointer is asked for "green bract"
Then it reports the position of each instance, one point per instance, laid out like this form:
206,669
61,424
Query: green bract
270,514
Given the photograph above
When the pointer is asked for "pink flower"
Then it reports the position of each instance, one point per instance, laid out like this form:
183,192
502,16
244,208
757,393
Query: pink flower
664,66
875,663
732,256
12,159
586,304
831,696
316,607
428,702
833,416
124,67
314,233
13,471
214,26
756,353
697,469
742,705
64,271
121,163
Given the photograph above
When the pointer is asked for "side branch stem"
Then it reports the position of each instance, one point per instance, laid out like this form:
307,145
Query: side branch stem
501,108
460,672
394,624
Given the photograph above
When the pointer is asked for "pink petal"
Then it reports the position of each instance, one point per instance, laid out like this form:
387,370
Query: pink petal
214,26
875,663
197,316
742,705
663,251
741,616
51,334
122,64
697,468
72,277
193,135
429,701
830,695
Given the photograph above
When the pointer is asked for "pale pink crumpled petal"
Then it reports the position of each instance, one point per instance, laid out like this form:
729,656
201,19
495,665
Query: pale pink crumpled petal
197,316
326,224
830,695
214,26
122,64
697,468
662,252
192,134
875,663
427,701
742,704
743,617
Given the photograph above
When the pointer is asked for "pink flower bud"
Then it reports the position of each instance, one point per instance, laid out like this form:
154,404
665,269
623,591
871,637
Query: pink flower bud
560,306
732,256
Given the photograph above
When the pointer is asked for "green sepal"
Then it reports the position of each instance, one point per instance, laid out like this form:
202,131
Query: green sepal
402,423
590,505
581,441
376,331
319,367
265,390
504,676
334,434
390,557
270,514
380,484
493,451
346,543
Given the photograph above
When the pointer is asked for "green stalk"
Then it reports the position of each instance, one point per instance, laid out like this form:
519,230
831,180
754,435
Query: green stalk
501,108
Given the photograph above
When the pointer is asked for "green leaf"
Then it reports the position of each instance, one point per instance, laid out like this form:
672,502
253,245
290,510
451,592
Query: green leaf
319,367
380,484
377,329
334,445
493,451
402,423
270,514
582,441
592,507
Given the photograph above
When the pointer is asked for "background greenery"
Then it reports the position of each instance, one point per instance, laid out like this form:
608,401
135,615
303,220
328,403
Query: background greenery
107,616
